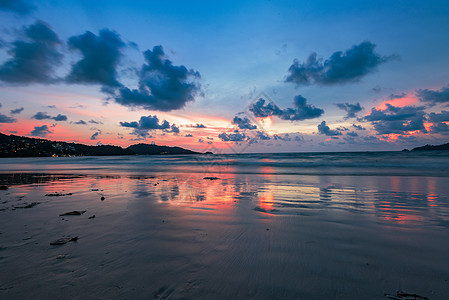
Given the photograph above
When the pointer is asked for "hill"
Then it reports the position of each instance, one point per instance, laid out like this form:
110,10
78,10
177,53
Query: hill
147,149
19,146
442,147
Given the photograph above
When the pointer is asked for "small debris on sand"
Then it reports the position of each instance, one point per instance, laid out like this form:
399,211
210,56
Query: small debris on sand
60,256
73,213
57,194
94,190
64,240
3,187
102,198
28,205
92,217
406,296
211,178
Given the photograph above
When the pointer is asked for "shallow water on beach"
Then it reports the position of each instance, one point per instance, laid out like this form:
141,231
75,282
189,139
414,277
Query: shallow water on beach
260,235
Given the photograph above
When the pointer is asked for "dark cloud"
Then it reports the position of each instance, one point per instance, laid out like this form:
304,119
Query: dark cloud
100,57
41,131
43,115
285,138
146,124
376,89
440,127
33,61
21,7
299,139
162,86
174,129
352,133
243,123
434,97
6,119
341,67
324,129
60,117
397,119
358,127
81,122
262,136
95,122
188,135
397,96
443,116
95,135
301,110
17,110
232,137
199,126
351,109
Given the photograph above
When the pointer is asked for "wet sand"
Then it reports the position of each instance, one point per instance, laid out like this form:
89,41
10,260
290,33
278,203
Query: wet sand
241,236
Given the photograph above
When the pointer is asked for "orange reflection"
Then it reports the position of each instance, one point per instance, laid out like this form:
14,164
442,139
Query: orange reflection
266,201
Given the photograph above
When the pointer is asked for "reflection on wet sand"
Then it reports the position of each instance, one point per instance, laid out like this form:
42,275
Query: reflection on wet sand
256,236
388,200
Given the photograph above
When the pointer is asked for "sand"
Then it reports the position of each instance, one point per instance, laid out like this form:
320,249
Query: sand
180,236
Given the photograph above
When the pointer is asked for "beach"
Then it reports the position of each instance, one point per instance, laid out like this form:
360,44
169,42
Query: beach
189,233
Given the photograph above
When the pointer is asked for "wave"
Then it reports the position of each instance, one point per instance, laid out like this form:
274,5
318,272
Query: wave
355,163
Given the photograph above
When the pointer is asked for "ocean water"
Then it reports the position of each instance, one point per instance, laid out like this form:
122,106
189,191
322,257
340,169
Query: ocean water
346,163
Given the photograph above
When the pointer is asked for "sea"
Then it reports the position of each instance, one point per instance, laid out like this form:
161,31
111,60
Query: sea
432,163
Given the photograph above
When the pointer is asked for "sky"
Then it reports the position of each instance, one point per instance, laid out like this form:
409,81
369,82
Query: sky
227,77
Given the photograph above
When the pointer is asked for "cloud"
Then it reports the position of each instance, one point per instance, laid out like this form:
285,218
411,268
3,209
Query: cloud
434,97
33,61
198,126
443,116
174,129
95,135
60,117
358,127
301,110
200,141
299,139
100,56
340,68
149,123
440,127
95,122
162,86
285,138
232,137
352,133
262,136
43,115
243,123
41,131
17,110
397,119
188,135
324,129
351,109
6,119
21,7
81,122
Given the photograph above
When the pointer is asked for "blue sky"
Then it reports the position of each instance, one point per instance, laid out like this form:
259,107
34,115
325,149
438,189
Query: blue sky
216,60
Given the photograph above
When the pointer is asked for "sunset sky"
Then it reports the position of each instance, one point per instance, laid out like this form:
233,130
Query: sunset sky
236,76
